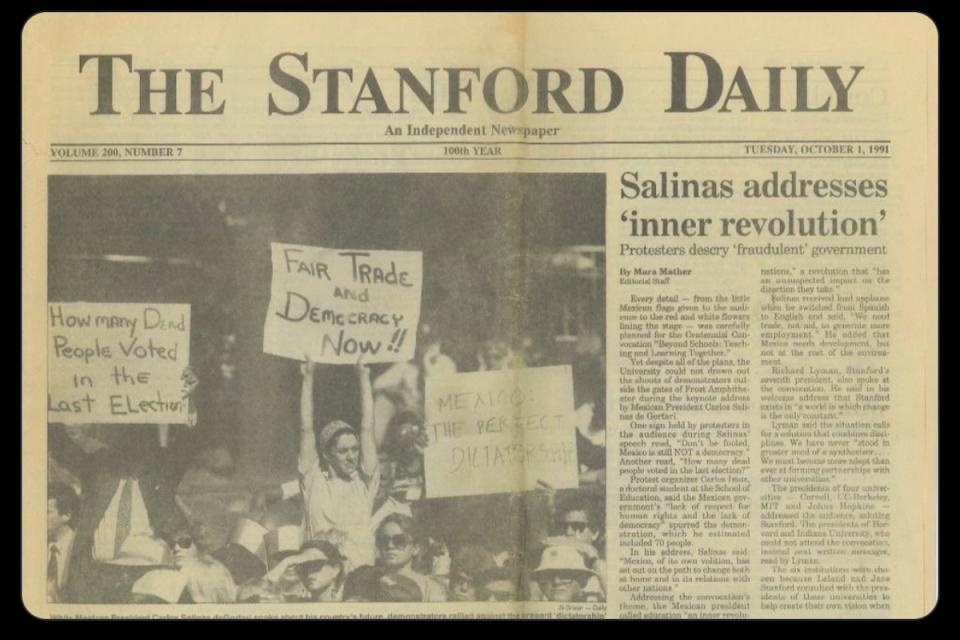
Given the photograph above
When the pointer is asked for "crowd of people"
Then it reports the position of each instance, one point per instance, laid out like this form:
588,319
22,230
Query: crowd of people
364,531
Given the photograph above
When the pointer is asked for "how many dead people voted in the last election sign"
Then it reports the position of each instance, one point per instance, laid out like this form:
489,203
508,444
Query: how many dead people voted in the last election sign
117,363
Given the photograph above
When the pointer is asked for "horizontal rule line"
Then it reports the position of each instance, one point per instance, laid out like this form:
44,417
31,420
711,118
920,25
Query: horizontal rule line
469,159
429,142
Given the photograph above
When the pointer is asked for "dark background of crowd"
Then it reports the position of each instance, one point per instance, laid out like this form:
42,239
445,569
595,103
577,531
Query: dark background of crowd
507,257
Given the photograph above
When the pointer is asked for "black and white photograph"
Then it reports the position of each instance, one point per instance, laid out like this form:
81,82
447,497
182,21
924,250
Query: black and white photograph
323,308
326,388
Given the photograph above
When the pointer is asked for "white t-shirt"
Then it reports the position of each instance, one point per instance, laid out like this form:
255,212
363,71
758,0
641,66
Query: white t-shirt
331,502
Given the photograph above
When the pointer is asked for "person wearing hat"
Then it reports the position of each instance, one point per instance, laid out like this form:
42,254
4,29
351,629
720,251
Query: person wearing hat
579,522
562,574
339,472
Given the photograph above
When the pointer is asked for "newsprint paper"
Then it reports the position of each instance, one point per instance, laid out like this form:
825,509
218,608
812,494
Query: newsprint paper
479,315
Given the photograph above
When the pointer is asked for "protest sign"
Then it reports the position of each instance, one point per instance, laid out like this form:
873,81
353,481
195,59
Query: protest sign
338,305
500,431
117,363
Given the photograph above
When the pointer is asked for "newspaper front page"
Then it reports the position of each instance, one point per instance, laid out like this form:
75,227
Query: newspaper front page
479,315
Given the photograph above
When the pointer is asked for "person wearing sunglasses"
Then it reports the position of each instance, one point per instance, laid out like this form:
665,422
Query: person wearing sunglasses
129,476
398,546
313,574
320,566
579,520
208,580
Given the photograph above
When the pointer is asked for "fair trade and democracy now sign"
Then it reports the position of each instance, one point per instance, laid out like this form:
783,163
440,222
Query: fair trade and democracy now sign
117,363
500,432
340,305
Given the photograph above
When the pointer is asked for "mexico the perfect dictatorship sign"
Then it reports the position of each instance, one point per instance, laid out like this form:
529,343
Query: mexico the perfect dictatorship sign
500,432
338,306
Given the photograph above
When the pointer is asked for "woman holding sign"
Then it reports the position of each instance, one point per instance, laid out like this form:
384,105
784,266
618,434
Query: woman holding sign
339,495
